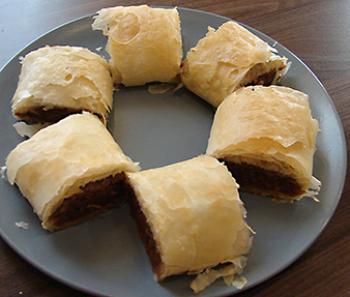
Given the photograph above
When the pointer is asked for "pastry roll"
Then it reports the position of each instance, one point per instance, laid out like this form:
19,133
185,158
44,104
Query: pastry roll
190,218
70,171
227,59
144,43
267,138
61,80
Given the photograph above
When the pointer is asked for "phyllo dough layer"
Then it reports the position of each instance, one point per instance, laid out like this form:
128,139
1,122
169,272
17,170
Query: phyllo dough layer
190,218
227,59
61,80
144,43
267,137
70,170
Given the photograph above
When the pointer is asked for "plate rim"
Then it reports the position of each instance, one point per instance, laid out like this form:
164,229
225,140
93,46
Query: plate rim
338,195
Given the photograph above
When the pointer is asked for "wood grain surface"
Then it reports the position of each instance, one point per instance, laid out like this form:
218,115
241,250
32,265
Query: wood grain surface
315,30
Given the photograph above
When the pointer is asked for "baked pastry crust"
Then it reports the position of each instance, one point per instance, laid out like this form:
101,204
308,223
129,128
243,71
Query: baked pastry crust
227,59
194,213
268,127
60,80
144,43
58,161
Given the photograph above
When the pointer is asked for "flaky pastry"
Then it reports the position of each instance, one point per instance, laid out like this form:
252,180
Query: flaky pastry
191,219
144,43
61,80
267,137
70,170
227,59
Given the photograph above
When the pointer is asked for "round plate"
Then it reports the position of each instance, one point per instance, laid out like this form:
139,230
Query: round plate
105,256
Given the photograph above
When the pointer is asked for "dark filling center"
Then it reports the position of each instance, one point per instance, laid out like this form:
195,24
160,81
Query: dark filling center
264,79
95,197
41,115
145,232
256,179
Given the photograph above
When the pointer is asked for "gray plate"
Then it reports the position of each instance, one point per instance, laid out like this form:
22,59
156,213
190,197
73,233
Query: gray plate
105,256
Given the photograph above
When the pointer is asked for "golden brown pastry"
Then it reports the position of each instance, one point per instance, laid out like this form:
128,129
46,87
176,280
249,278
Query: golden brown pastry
227,59
144,43
61,80
267,138
191,219
70,171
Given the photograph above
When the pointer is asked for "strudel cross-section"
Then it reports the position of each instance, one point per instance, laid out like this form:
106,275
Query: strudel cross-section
70,171
57,81
229,58
267,138
144,43
191,219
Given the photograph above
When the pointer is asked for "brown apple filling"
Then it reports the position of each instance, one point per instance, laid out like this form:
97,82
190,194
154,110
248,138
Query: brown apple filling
95,197
258,180
145,232
263,74
265,79
40,114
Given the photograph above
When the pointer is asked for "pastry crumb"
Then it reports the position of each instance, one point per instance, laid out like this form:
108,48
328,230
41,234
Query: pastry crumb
2,172
22,225
239,282
160,88
25,130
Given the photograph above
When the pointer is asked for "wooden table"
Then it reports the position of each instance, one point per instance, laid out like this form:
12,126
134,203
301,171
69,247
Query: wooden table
315,30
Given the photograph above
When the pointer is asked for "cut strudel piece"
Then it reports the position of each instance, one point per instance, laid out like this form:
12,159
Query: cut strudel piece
191,219
227,59
70,171
144,43
267,138
61,80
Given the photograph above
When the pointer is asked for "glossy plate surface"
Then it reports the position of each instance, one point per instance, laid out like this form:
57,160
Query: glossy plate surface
105,256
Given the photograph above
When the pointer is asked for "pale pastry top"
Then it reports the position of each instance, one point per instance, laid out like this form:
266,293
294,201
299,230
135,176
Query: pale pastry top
195,214
64,76
268,123
218,63
144,43
57,160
